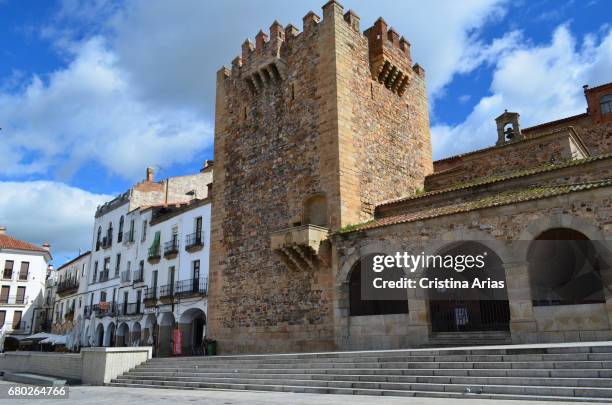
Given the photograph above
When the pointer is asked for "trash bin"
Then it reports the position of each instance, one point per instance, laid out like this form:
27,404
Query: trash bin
212,348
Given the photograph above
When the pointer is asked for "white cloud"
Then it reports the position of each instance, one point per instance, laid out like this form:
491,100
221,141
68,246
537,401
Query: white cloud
46,211
541,82
89,112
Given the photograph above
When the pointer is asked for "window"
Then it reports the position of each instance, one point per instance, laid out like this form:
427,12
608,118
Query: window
102,296
80,302
196,270
109,235
605,104
8,270
2,318
4,294
98,238
17,320
117,264
95,273
105,269
131,238
20,295
23,271
144,231
120,233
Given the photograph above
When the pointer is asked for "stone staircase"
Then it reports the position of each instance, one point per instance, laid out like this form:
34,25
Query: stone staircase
555,372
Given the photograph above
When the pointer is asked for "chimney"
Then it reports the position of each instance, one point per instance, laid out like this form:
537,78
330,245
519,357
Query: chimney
46,246
150,174
2,230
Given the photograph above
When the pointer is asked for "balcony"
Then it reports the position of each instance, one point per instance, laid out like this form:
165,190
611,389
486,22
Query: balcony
67,286
138,276
105,308
13,300
194,242
171,249
166,293
191,287
150,297
154,254
128,237
127,309
103,276
301,247
125,276
107,242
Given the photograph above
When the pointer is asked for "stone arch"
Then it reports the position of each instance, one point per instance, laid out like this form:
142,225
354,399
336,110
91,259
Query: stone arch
538,226
99,335
566,268
136,332
123,335
192,324
470,309
110,335
166,329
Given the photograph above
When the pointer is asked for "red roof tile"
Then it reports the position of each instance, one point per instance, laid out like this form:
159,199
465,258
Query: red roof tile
6,242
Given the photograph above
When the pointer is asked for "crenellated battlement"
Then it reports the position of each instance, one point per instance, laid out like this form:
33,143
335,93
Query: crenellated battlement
263,63
390,59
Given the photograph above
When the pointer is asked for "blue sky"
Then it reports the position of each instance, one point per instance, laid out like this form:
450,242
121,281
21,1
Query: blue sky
92,91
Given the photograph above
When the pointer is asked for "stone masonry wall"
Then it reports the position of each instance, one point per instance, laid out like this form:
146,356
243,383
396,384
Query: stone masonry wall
324,126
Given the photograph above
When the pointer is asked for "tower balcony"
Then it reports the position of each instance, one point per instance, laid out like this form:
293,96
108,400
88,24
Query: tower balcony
301,247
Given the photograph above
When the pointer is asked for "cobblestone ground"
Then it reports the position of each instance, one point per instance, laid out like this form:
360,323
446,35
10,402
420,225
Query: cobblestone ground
130,396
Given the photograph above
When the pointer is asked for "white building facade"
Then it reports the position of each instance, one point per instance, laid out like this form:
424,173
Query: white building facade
22,285
120,306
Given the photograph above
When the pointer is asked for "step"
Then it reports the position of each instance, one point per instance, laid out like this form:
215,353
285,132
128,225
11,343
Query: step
34,379
465,380
190,361
352,391
555,373
584,364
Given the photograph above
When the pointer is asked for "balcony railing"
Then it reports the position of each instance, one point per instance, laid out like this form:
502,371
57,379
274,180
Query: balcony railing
13,300
103,276
192,286
105,309
125,276
128,237
67,286
23,276
150,294
125,308
138,276
171,248
87,311
166,291
7,274
154,254
193,241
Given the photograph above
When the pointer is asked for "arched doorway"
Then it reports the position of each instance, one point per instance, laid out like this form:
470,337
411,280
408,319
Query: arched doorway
192,325
381,305
150,333
166,328
99,341
564,269
136,334
469,309
109,337
123,335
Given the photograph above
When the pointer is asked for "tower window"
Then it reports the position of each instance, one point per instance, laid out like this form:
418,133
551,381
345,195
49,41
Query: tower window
605,104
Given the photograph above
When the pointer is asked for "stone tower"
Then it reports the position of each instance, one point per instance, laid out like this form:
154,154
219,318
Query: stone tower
311,130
